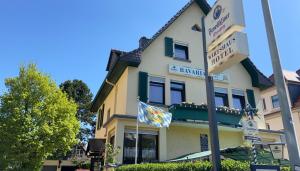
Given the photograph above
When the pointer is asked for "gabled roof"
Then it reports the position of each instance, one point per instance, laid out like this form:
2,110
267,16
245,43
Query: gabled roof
204,6
119,60
289,76
114,54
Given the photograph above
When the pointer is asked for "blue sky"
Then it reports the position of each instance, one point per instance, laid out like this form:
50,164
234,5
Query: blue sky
71,39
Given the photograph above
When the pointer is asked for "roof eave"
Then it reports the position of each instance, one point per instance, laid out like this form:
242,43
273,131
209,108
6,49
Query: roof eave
259,80
113,76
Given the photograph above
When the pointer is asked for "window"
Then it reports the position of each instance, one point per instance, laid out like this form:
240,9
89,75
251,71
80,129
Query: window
177,93
238,99
112,140
203,142
181,52
100,117
157,90
221,97
275,101
268,126
147,148
264,104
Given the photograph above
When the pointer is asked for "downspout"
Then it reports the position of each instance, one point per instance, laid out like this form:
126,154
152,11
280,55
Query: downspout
116,91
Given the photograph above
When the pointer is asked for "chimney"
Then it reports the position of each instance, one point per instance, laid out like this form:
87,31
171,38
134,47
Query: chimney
143,41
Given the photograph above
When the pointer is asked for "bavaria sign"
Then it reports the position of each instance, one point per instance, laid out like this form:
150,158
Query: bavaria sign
231,51
225,18
194,72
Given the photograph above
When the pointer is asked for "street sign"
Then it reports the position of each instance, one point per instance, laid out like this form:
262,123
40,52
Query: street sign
225,18
231,51
253,139
264,168
251,131
250,128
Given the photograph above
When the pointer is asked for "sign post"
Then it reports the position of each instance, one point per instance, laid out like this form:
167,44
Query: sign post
223,21
212,120
287,118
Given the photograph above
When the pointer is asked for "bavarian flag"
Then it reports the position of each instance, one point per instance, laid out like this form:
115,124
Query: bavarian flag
154,116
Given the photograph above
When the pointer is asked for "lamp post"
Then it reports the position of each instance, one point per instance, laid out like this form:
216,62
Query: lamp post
287,119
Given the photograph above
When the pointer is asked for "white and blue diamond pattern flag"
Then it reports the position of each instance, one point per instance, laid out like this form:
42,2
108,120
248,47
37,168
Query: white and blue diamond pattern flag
154,116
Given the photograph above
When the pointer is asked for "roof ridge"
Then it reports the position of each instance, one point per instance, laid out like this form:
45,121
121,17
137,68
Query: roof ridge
169,22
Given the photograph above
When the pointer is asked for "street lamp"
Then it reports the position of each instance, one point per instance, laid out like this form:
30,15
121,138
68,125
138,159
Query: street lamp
277,150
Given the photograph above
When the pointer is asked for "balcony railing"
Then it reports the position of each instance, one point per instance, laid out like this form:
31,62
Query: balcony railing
184,112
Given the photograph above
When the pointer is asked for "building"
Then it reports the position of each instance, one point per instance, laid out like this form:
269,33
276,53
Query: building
167,70
271,108
69,162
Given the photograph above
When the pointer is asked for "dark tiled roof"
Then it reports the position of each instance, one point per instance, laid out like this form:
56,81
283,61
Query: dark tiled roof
131,58
258,78
298,72
114,54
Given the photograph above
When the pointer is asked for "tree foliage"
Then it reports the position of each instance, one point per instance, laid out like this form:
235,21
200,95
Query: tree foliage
36,119
78,91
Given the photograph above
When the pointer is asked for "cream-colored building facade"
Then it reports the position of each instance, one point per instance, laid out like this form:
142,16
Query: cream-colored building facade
146,72
271,108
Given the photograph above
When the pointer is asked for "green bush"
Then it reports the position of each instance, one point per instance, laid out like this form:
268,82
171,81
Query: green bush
227,165
285,169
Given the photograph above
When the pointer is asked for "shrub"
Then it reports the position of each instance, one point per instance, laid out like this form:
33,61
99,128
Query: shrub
285,169
227,165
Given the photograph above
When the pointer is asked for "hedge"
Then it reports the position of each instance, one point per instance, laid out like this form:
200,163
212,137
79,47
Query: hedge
227,165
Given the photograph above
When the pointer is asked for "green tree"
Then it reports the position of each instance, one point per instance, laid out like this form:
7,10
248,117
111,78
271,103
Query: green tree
36,119
78,91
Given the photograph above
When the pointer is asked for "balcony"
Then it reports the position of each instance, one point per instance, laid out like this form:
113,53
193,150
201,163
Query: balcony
185,112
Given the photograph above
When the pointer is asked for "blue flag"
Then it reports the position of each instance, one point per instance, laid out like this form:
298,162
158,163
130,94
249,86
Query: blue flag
154,116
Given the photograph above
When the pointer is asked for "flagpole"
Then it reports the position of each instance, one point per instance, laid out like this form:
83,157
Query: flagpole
137,132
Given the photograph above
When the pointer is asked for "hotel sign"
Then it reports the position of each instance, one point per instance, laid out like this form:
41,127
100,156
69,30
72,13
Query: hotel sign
231,51
195,73
225,18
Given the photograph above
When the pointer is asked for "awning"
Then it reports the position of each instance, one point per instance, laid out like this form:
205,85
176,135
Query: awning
237,153
193,156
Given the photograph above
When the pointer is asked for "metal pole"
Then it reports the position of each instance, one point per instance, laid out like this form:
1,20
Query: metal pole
137,133
136,140
254,162
212,120
286,112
